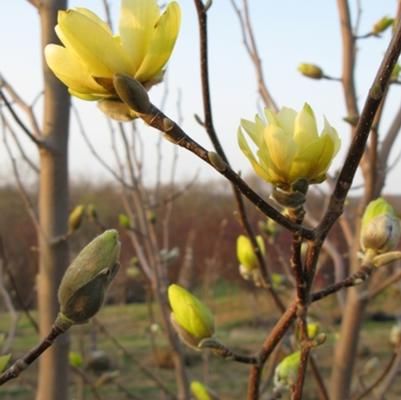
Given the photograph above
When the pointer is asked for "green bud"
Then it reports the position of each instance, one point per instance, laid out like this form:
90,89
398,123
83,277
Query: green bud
91,212
116,110
199,391
382,24
285,374
75,359
217,161
192,320
124,221
380,231
310,70
4,360
132,93
84,284
75,218
246,254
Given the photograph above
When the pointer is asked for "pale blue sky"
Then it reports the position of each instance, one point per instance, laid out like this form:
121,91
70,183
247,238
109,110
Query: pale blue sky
288,32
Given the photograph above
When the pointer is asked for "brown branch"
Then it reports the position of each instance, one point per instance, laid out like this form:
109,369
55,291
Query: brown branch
21,124
361,135
24,362
268,346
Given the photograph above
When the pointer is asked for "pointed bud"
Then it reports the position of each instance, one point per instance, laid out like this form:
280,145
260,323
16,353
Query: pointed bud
75,218
199,391
310,70
84,284
75,359
91,212
246,254
192,320
382,24
124,221
285,374
380,231
132,93
116,110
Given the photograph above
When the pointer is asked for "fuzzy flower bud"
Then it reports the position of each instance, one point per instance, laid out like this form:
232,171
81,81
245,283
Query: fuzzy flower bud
199,391
310,70
382,24
75,218
288,147
285,374
84,284
380,229
249,267
192,320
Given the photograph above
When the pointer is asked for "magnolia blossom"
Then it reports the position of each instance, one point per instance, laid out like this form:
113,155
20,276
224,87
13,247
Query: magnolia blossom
92,55
289,147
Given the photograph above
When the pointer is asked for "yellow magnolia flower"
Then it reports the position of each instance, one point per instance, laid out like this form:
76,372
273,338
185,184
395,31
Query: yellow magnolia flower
92,55
289,147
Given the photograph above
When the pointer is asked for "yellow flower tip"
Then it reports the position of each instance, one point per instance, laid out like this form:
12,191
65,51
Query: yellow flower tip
191,318
288,146
310,70
246,254
199,391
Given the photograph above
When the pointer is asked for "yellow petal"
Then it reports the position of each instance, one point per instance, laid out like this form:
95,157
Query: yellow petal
281,149
85,96
89,40
305,130
248,153
137,21
94,18
254,130
286,119
71,71
161,43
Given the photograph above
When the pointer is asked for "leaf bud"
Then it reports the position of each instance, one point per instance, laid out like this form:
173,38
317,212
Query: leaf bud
382,24
285,374
75,218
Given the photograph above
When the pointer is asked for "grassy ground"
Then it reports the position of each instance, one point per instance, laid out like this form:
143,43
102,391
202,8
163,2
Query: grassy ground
242,322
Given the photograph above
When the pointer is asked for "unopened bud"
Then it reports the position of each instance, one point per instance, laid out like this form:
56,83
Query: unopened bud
84,284
192,320
116,110
217,161
199,391
91,212
75,218
124,221
75,359
380,230
132,93
4,361
395,72
382,24
285,374
310,70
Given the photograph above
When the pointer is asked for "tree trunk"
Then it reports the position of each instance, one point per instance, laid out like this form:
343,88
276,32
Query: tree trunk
53,211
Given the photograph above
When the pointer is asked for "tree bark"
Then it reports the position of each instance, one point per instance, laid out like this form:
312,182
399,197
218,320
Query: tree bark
53,214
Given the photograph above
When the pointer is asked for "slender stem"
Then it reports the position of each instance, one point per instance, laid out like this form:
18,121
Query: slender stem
23,363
